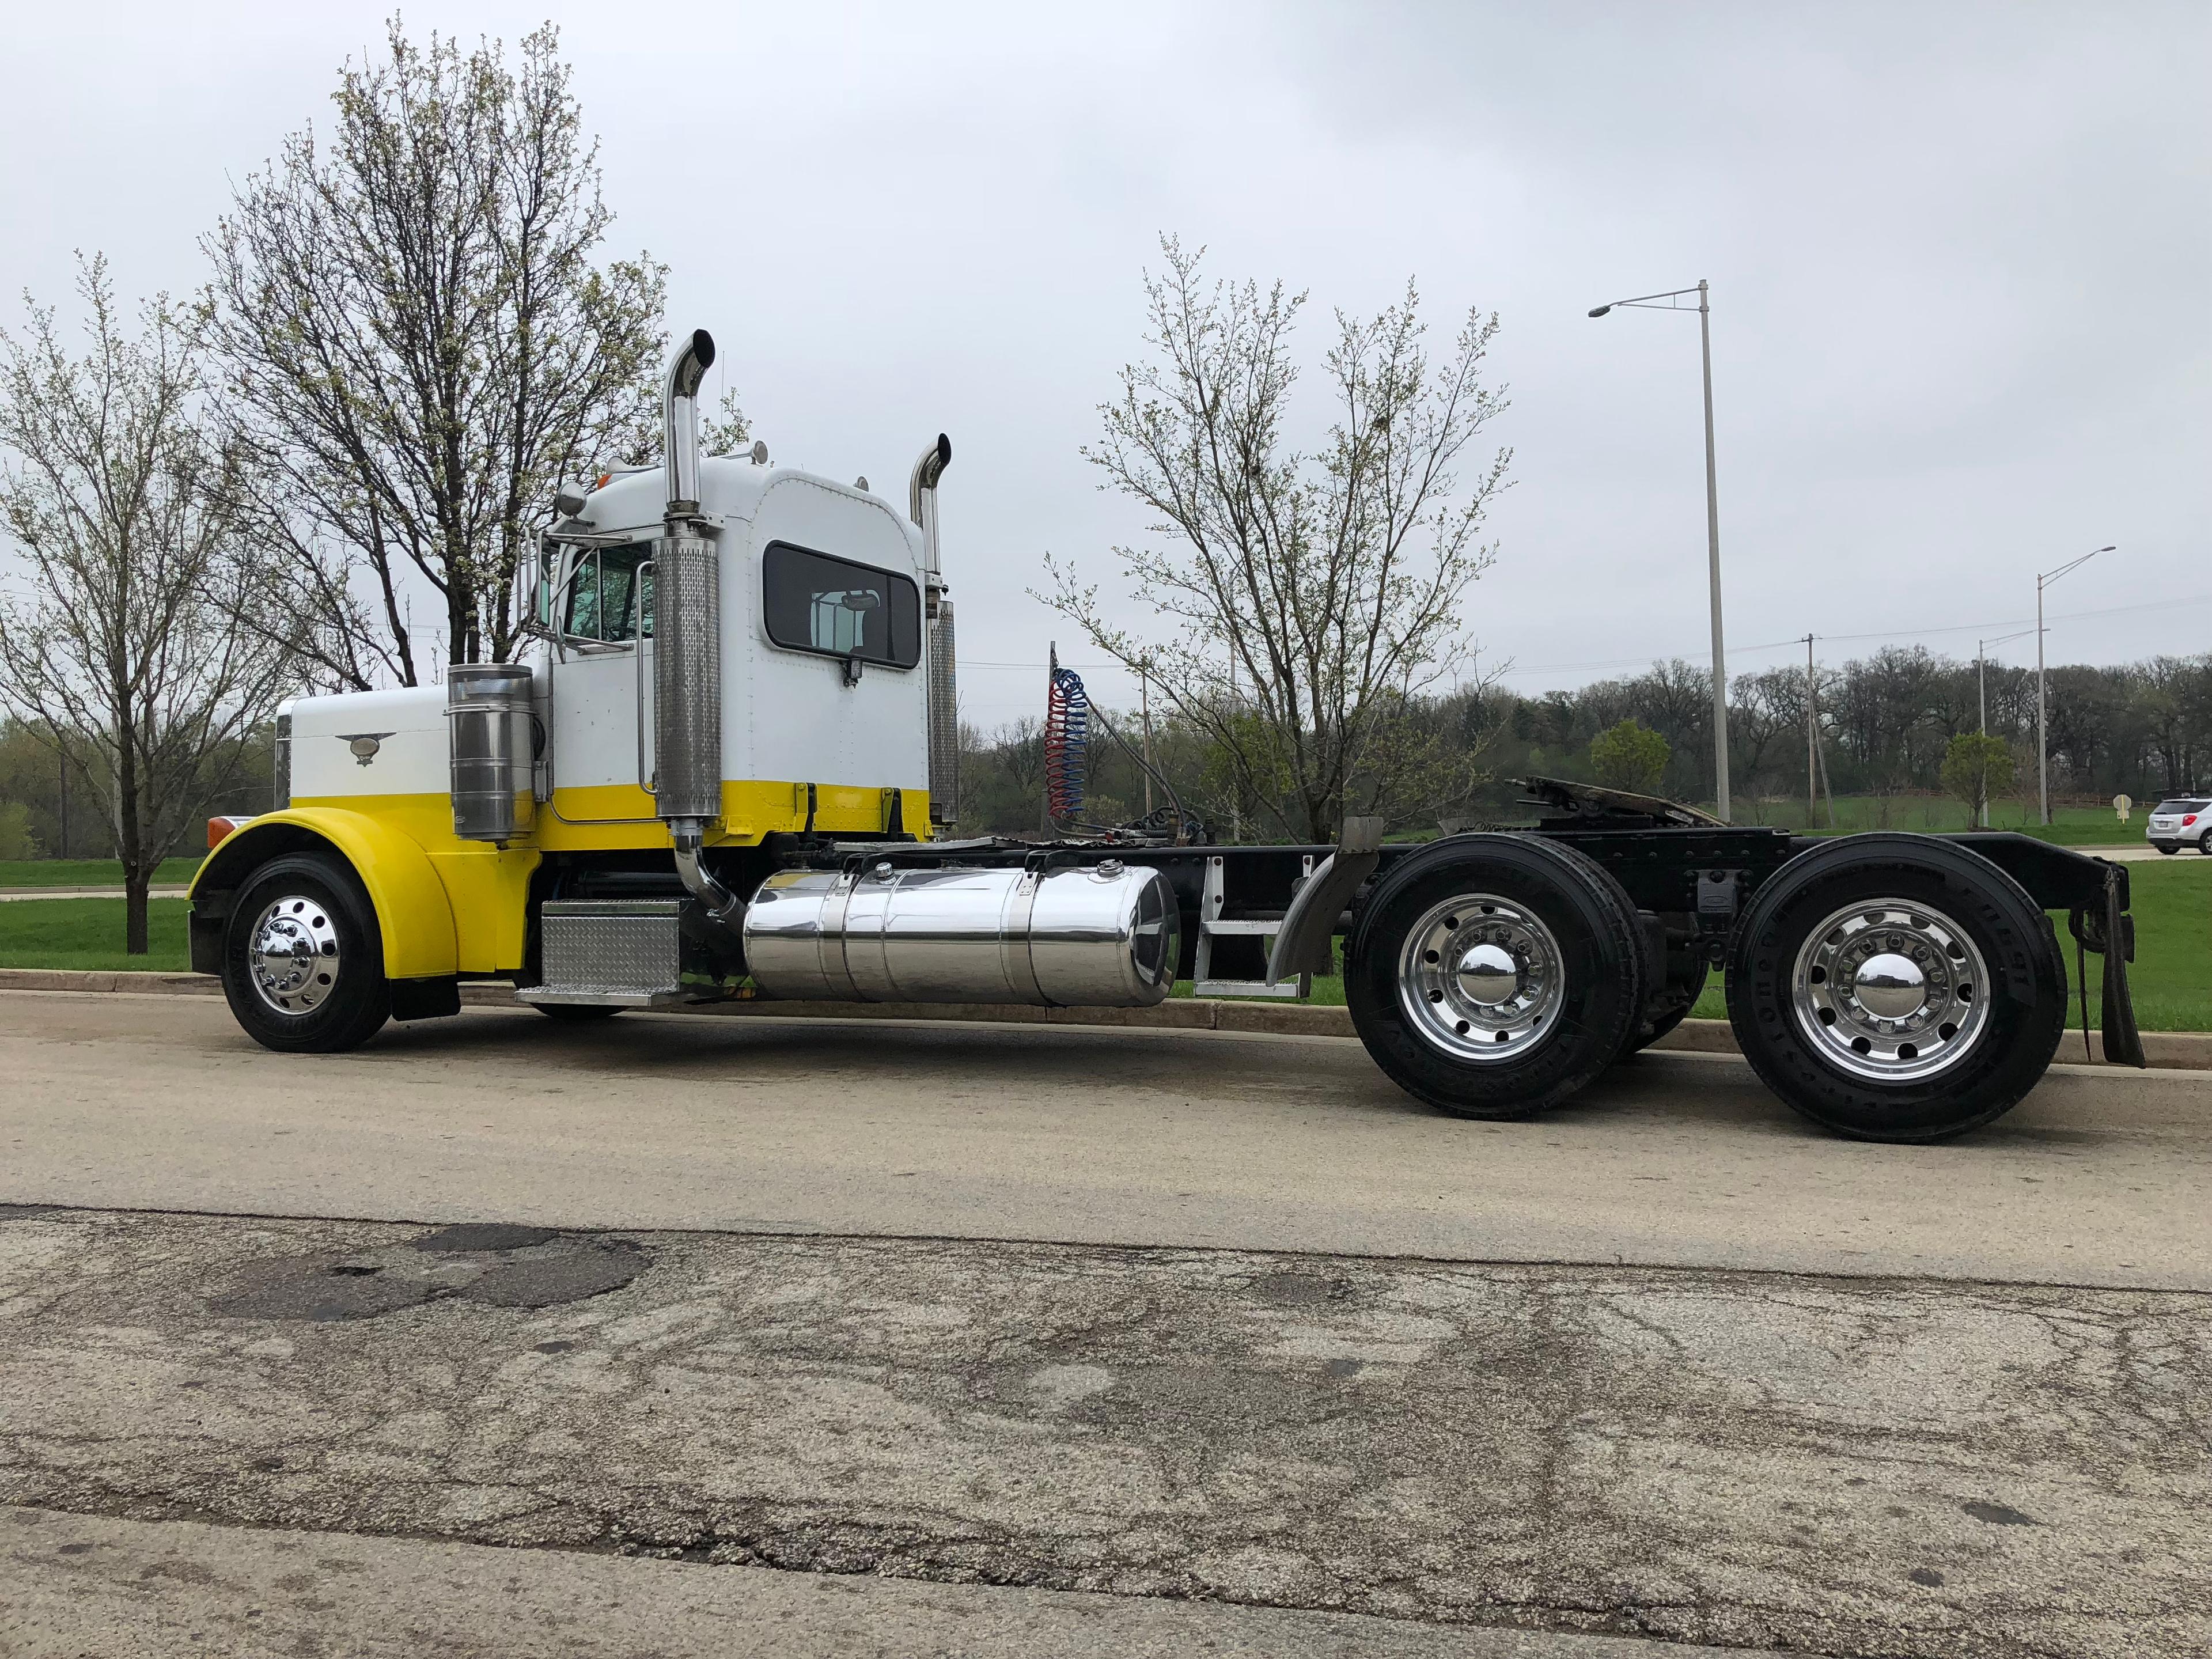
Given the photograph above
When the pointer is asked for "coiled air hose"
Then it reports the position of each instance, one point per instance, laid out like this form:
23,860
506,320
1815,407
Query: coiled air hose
1067,733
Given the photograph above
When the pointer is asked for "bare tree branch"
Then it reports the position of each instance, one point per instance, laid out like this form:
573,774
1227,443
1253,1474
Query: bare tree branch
412,324
1310,600
124,632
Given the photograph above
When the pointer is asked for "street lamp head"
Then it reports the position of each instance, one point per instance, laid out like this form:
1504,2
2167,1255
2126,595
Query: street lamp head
2114,548
1601,311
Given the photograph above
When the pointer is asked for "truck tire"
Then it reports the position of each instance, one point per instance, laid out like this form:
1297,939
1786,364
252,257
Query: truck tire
575,1014
1896,987
1496,975
302,958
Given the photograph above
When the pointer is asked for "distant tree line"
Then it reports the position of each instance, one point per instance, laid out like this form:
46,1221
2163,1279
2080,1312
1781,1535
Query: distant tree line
1885,725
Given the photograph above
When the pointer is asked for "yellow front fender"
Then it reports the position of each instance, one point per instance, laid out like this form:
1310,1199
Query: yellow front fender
412,911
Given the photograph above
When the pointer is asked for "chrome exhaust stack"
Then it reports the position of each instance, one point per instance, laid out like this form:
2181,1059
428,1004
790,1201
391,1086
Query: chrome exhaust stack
687,640
944,685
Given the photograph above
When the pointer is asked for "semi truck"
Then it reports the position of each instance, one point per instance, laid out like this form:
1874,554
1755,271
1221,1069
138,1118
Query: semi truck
726,766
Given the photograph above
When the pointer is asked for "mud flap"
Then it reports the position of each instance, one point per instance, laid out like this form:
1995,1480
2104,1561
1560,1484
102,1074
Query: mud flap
1305,943
2112,933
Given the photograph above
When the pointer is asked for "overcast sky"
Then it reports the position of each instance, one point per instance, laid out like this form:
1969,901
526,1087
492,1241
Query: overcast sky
1962,258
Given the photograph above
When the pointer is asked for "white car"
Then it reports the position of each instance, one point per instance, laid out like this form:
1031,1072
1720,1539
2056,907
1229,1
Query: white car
2181,822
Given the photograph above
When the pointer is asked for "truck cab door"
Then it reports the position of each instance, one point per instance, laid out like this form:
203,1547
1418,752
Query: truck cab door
602,685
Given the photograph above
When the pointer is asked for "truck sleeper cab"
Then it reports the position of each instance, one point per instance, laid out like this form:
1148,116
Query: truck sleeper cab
724,769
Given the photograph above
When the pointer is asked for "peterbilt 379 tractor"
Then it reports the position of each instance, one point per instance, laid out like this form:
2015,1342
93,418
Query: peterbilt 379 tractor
726,768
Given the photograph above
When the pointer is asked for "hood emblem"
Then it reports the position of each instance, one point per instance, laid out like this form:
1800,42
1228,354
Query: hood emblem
364,744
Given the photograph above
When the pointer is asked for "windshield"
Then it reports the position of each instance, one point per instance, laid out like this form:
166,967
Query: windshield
603,594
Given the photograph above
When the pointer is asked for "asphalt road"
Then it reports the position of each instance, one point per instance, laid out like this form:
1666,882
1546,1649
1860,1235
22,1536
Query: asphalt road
1108,1137
1043,1340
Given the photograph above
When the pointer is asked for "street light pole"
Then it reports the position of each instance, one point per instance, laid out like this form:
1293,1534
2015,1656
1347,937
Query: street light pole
2042,741
1713,561
1648,302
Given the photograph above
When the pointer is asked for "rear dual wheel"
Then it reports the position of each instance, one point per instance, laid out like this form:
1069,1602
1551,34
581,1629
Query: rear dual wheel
1896,987
1496,975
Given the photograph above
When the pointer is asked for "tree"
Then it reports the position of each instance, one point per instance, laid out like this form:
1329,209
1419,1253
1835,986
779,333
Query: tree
1310,600
1975,767
122,637
1630,755
414,323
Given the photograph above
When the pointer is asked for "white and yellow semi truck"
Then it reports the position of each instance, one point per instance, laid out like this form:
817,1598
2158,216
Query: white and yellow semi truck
726,766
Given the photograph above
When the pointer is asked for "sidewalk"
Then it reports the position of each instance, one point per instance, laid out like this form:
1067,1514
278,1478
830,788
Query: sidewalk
2186,1051
11,895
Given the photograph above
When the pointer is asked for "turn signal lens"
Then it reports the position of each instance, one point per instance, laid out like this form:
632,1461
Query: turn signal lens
220,829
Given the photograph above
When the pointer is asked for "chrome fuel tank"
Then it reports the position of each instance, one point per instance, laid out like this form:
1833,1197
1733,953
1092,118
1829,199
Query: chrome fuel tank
1107,935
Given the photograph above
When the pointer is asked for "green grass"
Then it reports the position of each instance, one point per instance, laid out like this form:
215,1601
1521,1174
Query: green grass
2170,977
88,933
2170,982
2069,826
87,872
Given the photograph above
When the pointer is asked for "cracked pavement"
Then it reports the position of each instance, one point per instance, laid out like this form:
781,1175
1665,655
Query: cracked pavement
728,1337
1847,1466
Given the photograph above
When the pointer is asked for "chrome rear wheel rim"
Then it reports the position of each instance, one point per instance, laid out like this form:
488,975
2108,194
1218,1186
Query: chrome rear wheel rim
1482,978
1891,991
292,956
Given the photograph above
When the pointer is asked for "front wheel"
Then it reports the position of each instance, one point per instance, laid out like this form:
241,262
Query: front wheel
1496,975
1896,987
302,960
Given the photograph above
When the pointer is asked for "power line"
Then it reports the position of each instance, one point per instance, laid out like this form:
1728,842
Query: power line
1845,639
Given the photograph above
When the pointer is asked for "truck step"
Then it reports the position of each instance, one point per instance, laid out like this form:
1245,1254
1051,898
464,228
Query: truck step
612,953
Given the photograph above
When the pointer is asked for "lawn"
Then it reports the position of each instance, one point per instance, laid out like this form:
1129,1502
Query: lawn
87,872
2069,826
87,933
2172,977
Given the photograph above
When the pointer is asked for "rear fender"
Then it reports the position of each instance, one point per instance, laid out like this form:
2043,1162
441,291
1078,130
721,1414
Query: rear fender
413,914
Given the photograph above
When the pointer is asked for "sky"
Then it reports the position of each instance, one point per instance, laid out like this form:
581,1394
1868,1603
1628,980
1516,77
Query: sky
1960,258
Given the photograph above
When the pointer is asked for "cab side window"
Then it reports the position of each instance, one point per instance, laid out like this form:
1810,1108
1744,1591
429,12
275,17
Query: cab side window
604,594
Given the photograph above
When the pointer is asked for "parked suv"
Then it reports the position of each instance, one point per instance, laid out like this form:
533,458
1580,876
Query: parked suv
2181,821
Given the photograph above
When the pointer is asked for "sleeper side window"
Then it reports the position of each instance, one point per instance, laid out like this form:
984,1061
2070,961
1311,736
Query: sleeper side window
815,602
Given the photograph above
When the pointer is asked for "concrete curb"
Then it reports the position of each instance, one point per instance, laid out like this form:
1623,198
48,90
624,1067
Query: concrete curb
2186,1051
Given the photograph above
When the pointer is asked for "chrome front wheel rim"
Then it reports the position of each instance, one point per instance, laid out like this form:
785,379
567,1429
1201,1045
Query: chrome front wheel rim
1891,991
292,956
1482,978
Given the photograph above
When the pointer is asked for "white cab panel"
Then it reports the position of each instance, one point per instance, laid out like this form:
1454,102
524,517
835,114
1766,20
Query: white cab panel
371,742
787,715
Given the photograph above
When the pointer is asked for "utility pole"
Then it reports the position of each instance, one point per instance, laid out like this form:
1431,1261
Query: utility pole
1982,688
1044,743
1811,741
1144,703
